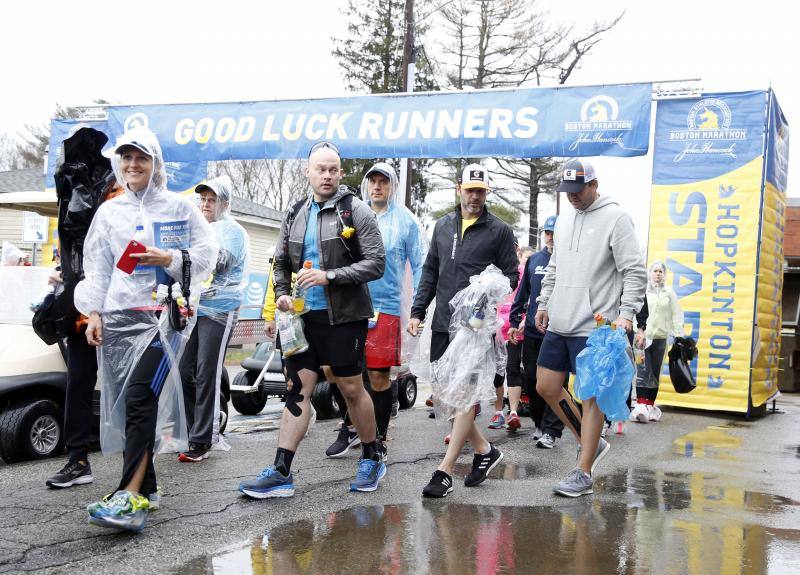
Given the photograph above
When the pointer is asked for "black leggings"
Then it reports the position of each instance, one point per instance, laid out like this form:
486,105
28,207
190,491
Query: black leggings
141,414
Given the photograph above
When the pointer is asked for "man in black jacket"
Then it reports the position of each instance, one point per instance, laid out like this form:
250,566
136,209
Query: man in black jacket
464,242
338,234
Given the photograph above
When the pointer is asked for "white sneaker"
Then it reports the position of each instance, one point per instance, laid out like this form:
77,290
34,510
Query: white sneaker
640,413
537,433
653,413
546,442
606,428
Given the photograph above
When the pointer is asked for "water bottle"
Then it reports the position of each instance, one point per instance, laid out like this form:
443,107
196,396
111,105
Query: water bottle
478,314
299,294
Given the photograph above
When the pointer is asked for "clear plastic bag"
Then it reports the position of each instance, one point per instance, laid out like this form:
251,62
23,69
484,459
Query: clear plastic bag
290,329
464,375
605,371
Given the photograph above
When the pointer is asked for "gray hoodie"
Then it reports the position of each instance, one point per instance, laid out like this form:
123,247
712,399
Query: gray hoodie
596,267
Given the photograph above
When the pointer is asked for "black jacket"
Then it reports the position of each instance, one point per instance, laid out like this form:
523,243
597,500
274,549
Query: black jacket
452,260
348,296
529,289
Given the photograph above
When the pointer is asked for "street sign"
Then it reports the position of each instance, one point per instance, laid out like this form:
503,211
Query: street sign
34,228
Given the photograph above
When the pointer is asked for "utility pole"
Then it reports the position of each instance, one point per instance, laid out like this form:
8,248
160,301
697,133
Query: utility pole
409,69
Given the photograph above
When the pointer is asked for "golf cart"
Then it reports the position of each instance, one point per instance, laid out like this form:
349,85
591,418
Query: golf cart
33,375
263,378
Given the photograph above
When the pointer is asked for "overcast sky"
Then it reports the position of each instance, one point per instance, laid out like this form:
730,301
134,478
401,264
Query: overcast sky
173,51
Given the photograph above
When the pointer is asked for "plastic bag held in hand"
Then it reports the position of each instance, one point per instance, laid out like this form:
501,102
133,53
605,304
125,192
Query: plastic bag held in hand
464,375
683,351
605,371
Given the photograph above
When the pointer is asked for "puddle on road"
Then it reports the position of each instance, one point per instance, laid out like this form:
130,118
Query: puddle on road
714,442
660,523
507,471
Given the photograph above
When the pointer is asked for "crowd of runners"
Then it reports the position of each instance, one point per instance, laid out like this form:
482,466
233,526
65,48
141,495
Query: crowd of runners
351,285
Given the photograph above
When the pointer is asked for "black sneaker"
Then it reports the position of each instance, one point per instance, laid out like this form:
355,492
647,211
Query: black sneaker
344,441
482,465
73,473
197,453
439,486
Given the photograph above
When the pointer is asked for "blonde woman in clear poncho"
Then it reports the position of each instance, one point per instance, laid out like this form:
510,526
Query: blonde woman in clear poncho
138,349
665,320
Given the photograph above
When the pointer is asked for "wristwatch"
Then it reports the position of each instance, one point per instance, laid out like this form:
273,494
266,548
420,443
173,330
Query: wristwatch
330,275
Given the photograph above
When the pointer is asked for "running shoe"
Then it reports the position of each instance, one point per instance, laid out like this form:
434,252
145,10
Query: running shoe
606,428
546,441
197,453
123,510
639,413
482,465
537,433
620,428
439,486
513,421
155,499
369,474
497,421
653,413
575,484
346,439
269,483
73,473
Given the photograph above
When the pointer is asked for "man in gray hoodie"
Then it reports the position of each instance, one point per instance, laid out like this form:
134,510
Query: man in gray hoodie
596,268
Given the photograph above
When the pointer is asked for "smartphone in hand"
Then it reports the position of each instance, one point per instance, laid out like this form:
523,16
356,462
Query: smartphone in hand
126,263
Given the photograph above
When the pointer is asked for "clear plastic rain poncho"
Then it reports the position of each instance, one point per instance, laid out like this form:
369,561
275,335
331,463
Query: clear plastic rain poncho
130,313
222,292
406,248
464,375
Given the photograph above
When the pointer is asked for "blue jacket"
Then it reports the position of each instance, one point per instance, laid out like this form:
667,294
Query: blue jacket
403,242
529,289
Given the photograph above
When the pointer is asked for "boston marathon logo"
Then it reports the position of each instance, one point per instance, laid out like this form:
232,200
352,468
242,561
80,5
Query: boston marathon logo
600,123
708,131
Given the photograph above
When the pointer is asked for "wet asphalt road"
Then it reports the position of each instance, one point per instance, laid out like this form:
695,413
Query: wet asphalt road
697,493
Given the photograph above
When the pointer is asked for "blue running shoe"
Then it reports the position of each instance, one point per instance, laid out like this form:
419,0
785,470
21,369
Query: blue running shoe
123,510
369,474
269,483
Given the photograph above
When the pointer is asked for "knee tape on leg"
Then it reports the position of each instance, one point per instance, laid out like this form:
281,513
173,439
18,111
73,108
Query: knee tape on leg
294,396
570,415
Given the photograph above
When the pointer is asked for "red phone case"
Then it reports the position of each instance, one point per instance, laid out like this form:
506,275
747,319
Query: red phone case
126,263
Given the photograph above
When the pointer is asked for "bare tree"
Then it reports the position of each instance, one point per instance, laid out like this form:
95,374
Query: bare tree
274,183
10,157
511,43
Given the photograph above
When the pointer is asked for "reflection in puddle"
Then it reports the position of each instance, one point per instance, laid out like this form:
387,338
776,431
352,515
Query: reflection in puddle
502,471
667,523
713,442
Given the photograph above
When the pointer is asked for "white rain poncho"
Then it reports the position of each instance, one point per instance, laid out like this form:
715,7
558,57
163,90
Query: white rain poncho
406,247
464,375
154,217
223,291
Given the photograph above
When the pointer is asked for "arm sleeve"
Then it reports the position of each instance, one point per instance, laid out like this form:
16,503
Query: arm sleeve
373,257
548,282
642,315
98,265
629,262
677,315
268,313
507,257
415,249
426,290
282,266
521,297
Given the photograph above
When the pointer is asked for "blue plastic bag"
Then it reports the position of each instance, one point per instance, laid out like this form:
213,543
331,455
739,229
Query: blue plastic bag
605,370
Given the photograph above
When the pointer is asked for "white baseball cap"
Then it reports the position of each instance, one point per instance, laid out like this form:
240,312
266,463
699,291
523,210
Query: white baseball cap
475,176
